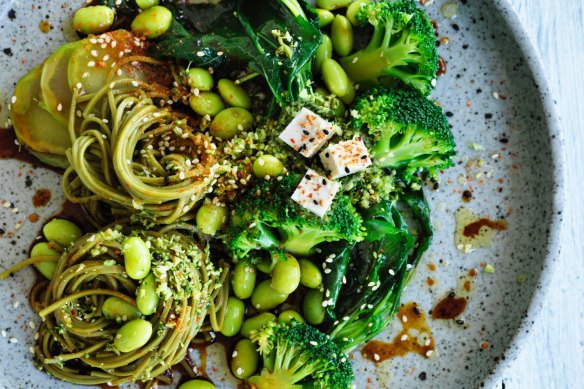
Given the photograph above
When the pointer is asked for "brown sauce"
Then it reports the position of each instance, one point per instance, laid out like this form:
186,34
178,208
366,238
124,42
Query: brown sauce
441,67
10,149
405,342
449,308
41,198
473,229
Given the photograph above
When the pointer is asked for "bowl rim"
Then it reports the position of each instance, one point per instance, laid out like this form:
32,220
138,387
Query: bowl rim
557,144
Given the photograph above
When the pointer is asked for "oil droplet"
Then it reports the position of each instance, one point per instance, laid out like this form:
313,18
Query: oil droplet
45,26
473,231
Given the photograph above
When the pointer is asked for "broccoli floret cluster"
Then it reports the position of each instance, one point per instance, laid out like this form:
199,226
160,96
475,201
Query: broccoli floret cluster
409,132
266,218
402,48
298,352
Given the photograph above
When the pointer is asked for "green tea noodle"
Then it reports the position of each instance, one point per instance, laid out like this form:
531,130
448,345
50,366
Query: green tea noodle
75,340
130,157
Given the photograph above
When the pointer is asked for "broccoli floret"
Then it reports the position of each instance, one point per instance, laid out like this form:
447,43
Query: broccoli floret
402,48
410,132
296,352
266,217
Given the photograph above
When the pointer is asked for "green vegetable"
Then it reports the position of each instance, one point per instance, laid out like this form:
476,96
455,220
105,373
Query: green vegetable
200,79
114,308
310,275
325,17
133,335
295,352
46,268
286,275
266,220
197,384
265,297
234,315
267,165
402,48
137,259
342,35
255,323
244,362
206,103
233,94
243,279
324,51
146,297
62,231
312,307
332,4
409,132
353,9
287,316
334,77
93,20
152,22
350,96
210,218
145,4
230,122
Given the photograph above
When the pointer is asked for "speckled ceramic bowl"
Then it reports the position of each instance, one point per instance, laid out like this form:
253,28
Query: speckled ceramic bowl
509,159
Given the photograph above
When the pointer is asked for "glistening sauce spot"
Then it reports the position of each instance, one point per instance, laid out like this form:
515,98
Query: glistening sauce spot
41,198
415,337
473,229
449,307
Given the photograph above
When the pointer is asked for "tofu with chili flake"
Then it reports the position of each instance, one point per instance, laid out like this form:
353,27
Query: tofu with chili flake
307,133
315,193
345,158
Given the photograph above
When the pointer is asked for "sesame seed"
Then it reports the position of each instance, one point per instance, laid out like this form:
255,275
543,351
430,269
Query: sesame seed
429,353
91,64
13,340
13,99
375,356
239,371
327,271
200,53
16,304
391,272
234,354
79,85
404,337
3,333
312,342
94,53
59,107
355,59
404,318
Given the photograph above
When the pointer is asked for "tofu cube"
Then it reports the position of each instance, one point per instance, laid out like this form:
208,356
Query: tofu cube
307,133
315,193
345,158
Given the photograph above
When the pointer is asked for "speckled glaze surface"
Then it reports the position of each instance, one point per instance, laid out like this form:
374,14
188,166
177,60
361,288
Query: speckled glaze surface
496,97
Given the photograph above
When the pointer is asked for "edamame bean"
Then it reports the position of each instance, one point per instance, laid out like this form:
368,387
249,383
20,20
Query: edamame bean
267,165
47,269
146,297
230,121
200,79
114,308
245,358
206,103
325,17
332,4
137,259
243,279
334,77
338,108
210,218
289,315
265,297
310,275
312,307
324,51
145,4
342,35
286,275
93,20
133,335
256,323
197,384
62,231
234,314
352,10
233,94
265,266
152,22
350,96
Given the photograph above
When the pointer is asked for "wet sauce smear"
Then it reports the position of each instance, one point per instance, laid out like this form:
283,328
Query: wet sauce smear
473,229
449,308
41,198
415,337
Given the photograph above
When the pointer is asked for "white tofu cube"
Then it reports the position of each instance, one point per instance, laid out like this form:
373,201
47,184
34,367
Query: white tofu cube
315,193
345,158
307,133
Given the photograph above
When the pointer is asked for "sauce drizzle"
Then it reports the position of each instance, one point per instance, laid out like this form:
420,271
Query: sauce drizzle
473,229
